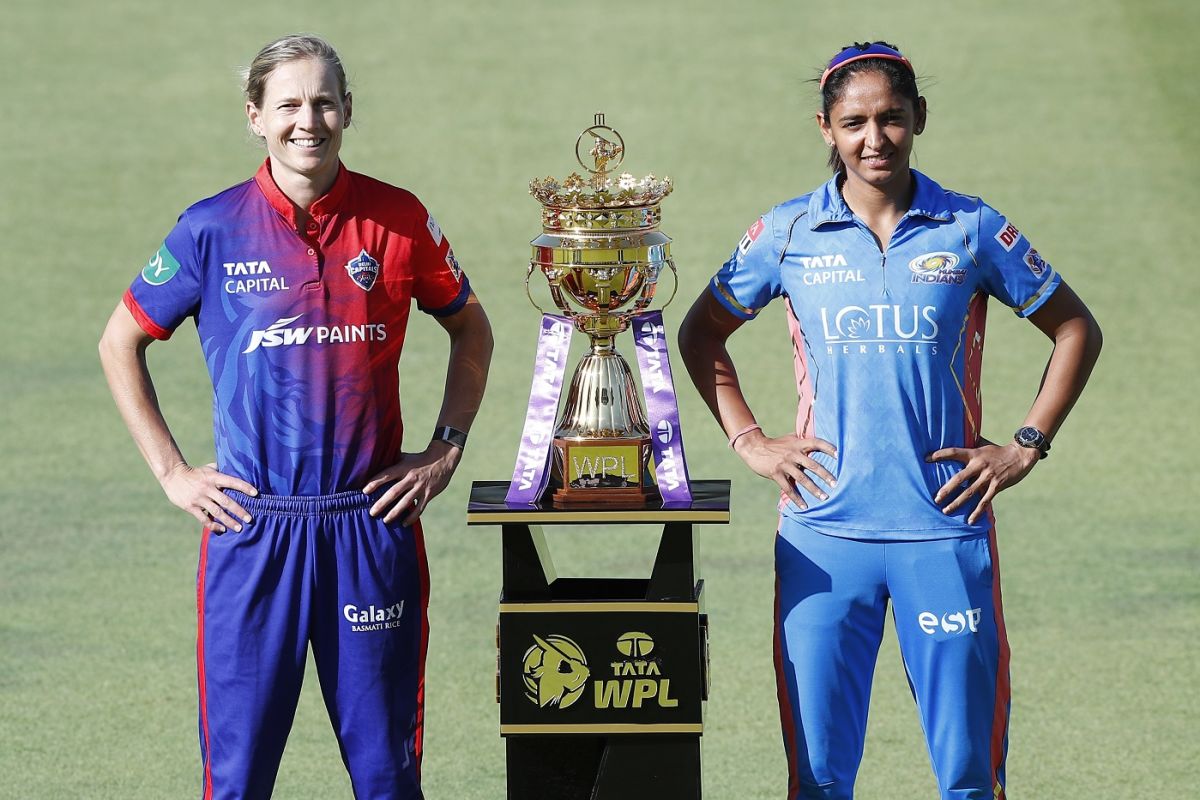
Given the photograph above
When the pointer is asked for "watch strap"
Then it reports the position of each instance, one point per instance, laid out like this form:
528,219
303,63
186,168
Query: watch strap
452,436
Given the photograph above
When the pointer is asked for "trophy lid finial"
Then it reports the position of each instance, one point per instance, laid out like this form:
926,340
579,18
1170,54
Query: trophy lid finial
607,146
605,149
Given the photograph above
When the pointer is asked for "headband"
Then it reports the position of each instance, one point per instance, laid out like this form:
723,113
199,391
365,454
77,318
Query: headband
857,52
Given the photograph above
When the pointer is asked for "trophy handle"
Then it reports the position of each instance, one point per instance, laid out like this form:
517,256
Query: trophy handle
674,282
557,295
647,295
528,293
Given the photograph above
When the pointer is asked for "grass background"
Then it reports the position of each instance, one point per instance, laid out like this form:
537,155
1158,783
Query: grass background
1077,119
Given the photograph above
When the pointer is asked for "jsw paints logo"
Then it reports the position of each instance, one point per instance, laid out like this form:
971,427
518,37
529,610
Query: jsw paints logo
957,622
278,334
373,618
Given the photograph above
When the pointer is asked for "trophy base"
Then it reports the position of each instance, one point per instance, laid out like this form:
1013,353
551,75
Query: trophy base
603,498
604,473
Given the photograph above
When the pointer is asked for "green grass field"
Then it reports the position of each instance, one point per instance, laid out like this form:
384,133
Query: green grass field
1077,119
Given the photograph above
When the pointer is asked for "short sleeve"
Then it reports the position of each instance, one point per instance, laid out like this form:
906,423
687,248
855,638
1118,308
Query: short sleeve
751,277
439,284
168,289
1014,272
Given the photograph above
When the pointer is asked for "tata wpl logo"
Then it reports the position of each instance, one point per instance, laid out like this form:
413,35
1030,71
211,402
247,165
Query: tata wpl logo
637,679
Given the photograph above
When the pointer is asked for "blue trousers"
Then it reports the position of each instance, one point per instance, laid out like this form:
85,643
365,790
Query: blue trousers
832,596
319,571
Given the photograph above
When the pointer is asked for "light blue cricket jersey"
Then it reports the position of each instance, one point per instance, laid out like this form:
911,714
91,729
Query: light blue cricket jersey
888,345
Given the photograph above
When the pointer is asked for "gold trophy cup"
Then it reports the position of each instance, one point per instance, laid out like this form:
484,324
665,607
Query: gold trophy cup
601,252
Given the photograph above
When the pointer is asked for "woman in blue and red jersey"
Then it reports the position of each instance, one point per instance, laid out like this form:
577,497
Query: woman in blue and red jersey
300,282
887,481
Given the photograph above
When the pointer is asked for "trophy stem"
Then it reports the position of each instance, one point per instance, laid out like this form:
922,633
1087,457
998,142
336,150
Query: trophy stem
602,401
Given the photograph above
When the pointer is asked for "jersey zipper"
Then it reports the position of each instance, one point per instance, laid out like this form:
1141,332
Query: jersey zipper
866,232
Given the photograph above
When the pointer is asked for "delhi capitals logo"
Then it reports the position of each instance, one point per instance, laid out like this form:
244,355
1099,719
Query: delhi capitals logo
554,671
363,270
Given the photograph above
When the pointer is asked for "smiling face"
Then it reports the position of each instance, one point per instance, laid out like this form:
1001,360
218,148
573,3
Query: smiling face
301,117
872,127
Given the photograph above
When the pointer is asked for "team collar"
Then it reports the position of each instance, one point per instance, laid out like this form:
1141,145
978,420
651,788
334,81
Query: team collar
283,204
827,204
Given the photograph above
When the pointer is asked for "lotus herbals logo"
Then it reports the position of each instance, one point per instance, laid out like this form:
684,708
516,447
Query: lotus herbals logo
555,671
637,678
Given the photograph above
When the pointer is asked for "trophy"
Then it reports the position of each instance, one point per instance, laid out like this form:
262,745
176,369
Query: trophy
601,253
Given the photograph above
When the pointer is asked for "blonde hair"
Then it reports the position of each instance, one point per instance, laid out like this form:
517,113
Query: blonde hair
289,48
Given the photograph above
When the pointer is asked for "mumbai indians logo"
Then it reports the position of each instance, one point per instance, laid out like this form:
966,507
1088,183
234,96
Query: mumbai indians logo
162,267
363,270
555,671
936,268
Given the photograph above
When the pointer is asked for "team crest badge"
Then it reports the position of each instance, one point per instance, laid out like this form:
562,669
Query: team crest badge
937,268
555,671
363,270
452,263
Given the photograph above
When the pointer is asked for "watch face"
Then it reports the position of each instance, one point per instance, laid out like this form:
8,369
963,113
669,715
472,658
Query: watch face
1029,437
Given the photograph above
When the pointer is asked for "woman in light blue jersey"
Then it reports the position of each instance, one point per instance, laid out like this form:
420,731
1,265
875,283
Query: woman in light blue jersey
887,480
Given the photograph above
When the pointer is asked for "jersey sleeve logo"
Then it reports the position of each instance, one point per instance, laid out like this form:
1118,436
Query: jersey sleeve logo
162,267
1007,236
751,236
1037,265
452,264
363,270
434,230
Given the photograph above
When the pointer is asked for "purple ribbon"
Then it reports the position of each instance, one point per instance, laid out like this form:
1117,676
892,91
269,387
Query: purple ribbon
530,476
662,407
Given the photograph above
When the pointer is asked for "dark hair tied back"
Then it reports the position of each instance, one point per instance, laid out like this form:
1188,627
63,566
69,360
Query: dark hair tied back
899,75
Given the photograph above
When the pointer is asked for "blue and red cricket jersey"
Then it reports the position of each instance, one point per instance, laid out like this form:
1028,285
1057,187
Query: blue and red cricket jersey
888,347
888,344
302,320
302,324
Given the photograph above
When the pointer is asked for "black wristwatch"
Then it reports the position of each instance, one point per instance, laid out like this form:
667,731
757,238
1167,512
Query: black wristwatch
452,436
1031,437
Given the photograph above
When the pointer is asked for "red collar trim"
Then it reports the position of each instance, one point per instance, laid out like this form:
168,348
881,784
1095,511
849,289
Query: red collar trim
283,204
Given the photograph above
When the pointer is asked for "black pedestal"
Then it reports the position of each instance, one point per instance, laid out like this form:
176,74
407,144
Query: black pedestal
601,681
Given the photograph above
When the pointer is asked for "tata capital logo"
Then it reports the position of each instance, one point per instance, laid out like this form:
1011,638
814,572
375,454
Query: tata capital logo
251,276
937,268
281,333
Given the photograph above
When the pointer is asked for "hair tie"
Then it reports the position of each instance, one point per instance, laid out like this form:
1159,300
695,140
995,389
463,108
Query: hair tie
857,52
752,427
